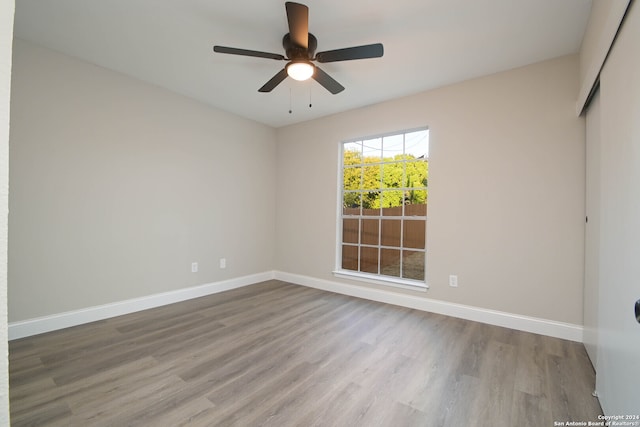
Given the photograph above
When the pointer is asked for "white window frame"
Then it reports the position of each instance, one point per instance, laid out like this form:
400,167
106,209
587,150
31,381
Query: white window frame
380,279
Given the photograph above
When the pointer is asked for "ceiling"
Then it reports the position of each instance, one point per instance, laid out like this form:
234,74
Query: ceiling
428,44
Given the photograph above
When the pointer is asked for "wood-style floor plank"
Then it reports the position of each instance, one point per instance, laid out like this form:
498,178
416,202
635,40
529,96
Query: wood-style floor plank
276,354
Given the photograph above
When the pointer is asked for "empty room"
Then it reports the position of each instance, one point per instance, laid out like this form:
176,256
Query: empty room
269,213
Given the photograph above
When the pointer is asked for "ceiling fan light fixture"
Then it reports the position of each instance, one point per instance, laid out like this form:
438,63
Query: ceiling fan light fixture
300,70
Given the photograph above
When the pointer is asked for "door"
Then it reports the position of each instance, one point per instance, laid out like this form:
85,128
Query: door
618,359
592,230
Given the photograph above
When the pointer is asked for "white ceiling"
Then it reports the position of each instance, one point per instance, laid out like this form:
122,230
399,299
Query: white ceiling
428,44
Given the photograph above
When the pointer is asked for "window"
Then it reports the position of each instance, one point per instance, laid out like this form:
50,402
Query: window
384,208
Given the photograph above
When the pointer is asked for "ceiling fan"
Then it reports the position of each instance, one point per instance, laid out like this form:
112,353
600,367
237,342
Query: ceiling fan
300,47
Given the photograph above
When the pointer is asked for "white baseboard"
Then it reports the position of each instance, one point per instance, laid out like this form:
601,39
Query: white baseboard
535,325
67,319
54,322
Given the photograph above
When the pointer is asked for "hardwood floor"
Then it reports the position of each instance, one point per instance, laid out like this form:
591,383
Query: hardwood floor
276,354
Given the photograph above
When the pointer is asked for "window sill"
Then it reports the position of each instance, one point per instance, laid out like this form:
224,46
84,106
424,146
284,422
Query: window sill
414,285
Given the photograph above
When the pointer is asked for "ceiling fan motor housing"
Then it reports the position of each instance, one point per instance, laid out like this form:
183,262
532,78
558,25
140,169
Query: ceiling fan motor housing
299,52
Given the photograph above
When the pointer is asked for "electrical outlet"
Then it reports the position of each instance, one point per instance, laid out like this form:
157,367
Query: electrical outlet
223,263
453,281
194,267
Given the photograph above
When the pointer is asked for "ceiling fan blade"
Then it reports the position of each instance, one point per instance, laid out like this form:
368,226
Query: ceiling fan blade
275,81
327,81
347,54
298,18
245,52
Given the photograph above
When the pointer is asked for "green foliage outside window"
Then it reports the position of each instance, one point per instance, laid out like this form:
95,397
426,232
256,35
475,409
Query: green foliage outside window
371,182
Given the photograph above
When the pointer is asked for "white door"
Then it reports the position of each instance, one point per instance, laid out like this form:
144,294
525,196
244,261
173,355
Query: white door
592,230
618,360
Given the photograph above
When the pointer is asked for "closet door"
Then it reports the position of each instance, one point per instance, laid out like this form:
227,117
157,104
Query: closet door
592,230
618,360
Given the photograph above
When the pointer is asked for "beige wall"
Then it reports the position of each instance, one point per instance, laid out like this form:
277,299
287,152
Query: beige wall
506,189
117,186
6,36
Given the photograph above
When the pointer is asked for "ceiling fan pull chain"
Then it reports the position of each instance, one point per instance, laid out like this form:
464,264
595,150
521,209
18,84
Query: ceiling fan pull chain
290,101
310,96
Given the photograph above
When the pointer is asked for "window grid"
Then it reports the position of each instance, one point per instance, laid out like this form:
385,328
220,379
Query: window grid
379,189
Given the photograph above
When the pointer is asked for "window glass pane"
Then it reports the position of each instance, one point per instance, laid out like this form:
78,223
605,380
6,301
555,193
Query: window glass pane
351,203
370,232
372,149
371,177
352,153
351,178
416,203
391,232
393,175
413,234
392,146
371,212
413,265
417,173
397,211
415,210
392,202
369,260
350,257
417,144
390,262
350,230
